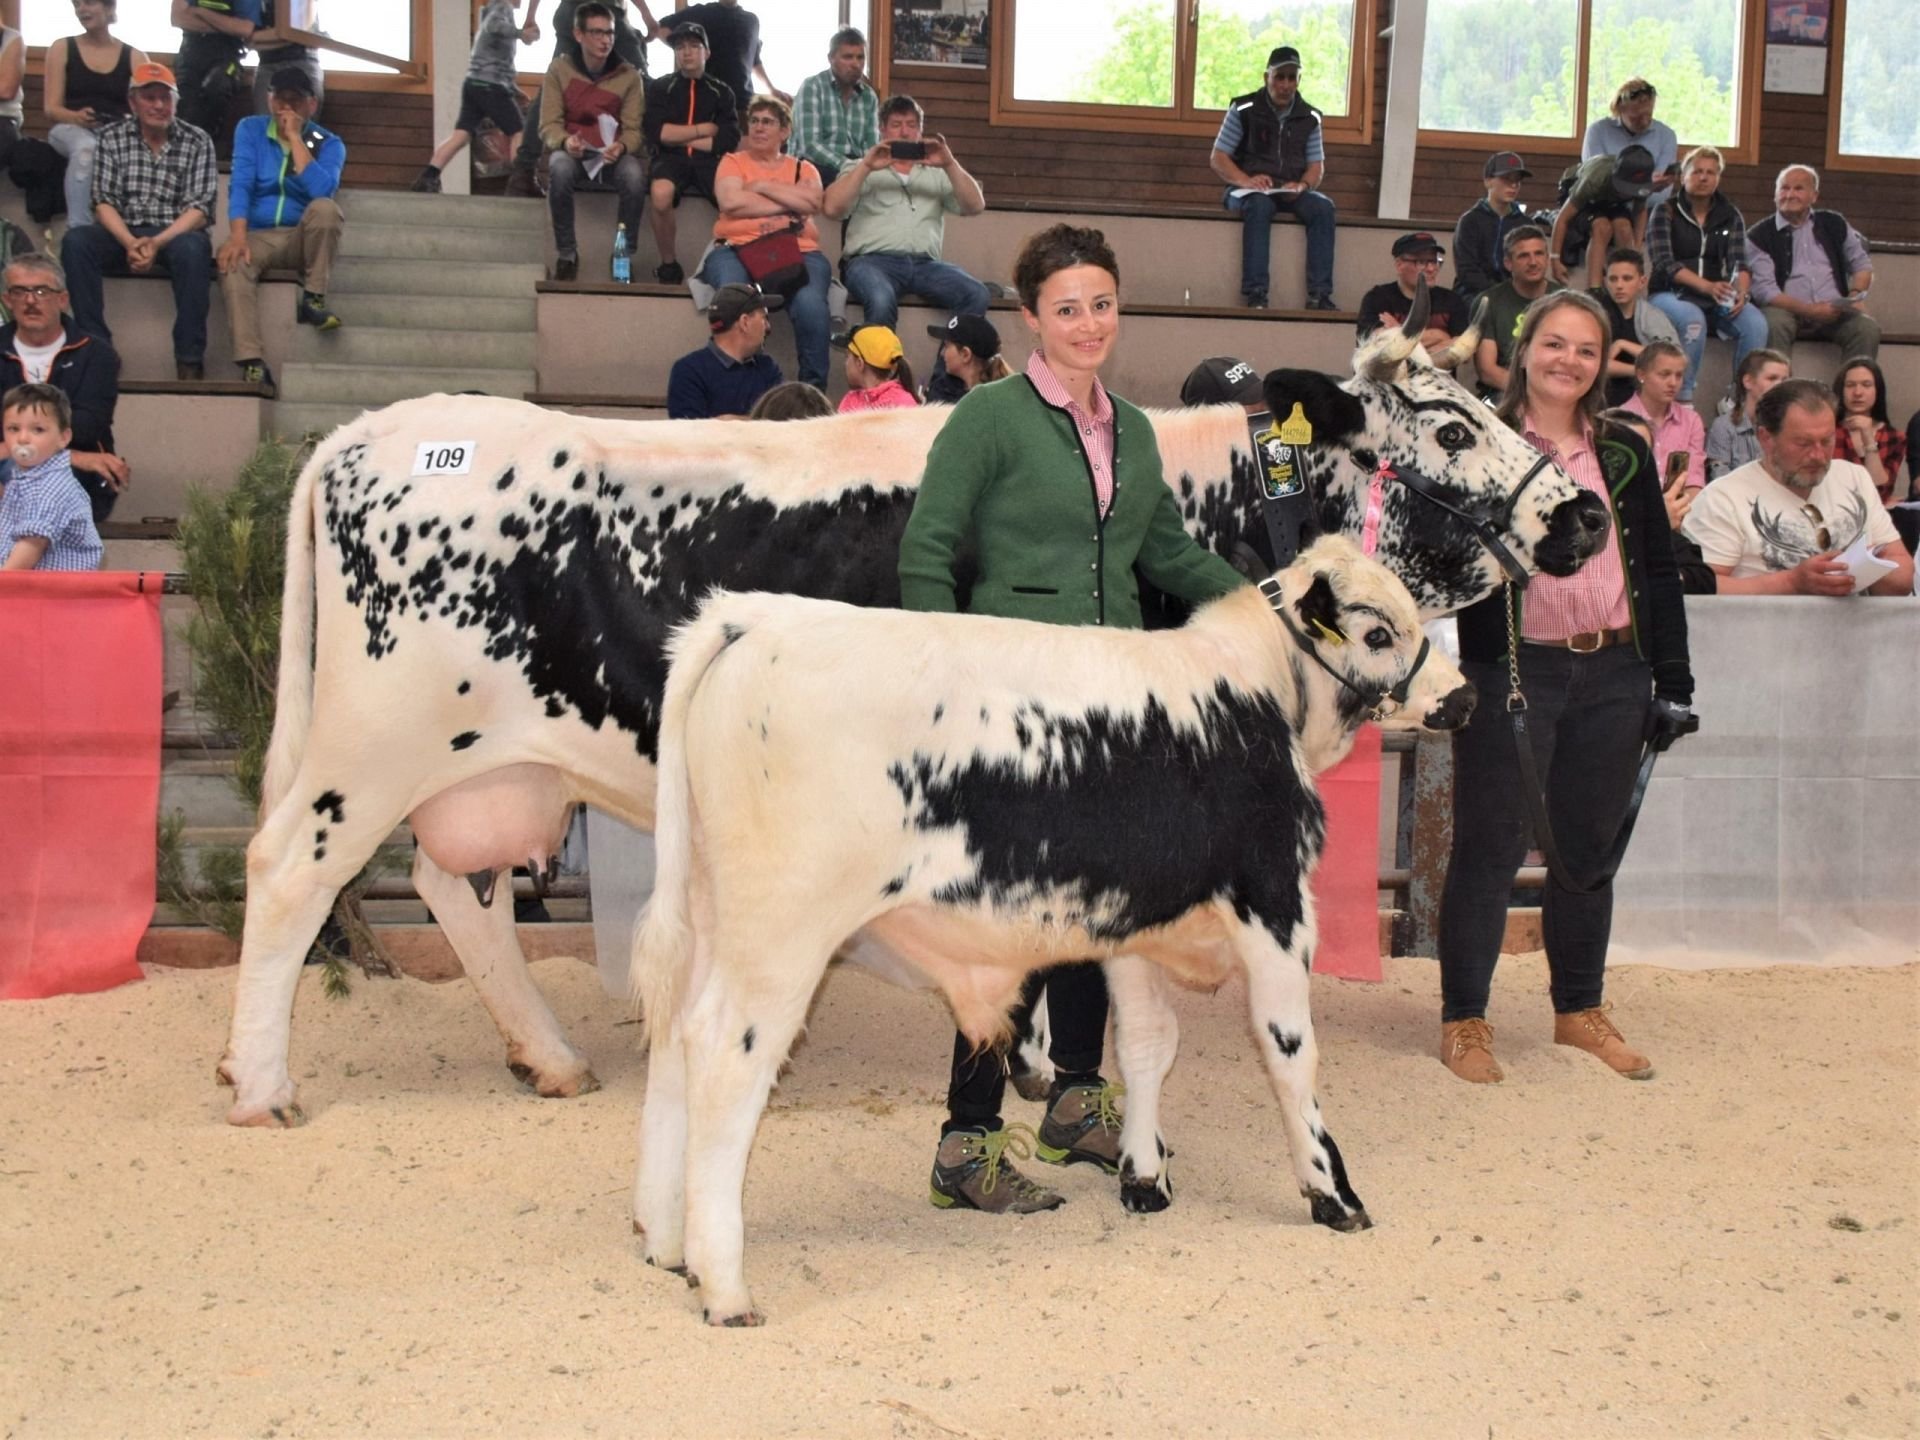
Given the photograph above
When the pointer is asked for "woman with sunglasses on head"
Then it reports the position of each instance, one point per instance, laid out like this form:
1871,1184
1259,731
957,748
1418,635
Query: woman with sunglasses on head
1629,121
1864,434
1602,662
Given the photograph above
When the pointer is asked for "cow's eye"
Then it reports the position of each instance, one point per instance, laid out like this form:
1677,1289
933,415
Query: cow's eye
1454,437
1379,638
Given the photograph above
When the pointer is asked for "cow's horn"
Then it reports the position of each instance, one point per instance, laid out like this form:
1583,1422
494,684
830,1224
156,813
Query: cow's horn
1459,350
1418,313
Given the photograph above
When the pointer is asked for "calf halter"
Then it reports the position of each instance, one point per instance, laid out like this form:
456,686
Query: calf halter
1374,697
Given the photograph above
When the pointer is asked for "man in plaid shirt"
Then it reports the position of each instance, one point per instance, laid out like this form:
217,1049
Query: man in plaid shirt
153,190
836,115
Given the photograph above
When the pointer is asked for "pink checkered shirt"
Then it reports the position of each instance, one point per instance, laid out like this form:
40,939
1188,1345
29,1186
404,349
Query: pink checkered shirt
1594,597
1096,430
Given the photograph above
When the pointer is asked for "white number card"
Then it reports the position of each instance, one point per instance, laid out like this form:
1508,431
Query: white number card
444,457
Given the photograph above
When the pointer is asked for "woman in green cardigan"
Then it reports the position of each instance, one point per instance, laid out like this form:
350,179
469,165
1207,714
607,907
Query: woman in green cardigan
1052,487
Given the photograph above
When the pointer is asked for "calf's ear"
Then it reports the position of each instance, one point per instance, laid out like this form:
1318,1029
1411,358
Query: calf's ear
1334,414
1319,611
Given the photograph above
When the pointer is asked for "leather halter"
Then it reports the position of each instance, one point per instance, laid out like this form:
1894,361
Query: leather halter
1374,697
1485,530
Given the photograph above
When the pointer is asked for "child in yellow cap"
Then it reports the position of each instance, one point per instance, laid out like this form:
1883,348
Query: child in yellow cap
878,376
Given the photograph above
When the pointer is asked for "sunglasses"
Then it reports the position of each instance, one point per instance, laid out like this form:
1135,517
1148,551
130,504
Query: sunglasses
1640,92
1821,536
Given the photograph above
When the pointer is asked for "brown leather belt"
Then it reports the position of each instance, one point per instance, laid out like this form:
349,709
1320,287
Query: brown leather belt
1587,641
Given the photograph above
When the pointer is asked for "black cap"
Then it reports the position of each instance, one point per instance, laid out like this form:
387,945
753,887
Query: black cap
1283,55
292,80
1417,242
1223,380
1505,163
688,30
974,332
1633,173
730,302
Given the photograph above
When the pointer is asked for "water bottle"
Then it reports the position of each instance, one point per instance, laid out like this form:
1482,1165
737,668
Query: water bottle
1725,307
622,258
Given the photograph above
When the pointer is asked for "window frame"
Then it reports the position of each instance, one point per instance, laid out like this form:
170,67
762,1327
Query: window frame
1183,117
1748,74
1837,159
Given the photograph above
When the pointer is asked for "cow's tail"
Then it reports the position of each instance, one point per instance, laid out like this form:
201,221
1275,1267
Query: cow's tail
663,943
293,700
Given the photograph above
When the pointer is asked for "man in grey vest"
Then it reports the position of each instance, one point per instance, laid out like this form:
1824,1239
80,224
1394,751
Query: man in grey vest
1270,154
1811,271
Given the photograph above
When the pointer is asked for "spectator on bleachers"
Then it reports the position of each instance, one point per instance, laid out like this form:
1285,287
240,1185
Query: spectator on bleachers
732,370
1479,237
281,215
1679,439
969,356
733,38
153,193
628,44
272,55
1635,323
1629,121
691,122
574,97
836,114
1811,270
1415,255
878,376
1224,380
896,212
1502,310
37,348
44,521
1270,153
1697,250
491,90
1730,439
13,74
791,400
214,35
1778,525
87,79
1608,204
1696,576
1865,435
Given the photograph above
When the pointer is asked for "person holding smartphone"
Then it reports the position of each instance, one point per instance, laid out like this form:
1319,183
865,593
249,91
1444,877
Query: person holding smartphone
1659,370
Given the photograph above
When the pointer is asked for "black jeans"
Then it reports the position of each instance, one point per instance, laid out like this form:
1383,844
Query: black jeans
1586,715
1077,1024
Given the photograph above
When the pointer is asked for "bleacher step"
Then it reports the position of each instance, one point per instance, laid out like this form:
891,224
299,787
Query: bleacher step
406,350
338,385
434,312
442,245
458,212
319,418
367,274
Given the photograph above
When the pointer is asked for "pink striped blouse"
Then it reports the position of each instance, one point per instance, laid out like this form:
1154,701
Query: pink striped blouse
1096,429
1594,597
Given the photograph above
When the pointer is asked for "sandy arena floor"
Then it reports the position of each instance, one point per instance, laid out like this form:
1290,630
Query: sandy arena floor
1731,1249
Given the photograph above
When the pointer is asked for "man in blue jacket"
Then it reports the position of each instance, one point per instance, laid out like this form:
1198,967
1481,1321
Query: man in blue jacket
281,215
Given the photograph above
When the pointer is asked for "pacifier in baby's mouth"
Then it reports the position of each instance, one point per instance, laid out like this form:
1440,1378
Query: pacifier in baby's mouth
23,454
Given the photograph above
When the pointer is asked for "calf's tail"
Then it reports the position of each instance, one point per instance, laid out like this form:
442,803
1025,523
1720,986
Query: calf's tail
293,701
663,942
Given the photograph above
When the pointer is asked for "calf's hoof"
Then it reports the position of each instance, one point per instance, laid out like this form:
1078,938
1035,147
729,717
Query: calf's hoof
1331,1213
1144,1197
268,1117
560,1085
1032,1085
744,1320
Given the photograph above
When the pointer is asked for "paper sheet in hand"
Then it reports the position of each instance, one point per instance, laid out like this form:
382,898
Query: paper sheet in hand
596,161
1867,567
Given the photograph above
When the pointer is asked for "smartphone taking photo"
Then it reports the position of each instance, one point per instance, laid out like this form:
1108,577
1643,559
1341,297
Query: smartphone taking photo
1677,464
908,149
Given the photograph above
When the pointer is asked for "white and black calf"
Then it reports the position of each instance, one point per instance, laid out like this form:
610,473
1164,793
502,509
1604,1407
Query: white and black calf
479,652
986,797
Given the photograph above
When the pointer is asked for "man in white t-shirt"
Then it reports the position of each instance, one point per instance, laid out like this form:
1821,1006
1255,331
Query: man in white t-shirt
1777,526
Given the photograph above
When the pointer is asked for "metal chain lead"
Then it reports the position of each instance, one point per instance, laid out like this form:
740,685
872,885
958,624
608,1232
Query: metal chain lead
1515,700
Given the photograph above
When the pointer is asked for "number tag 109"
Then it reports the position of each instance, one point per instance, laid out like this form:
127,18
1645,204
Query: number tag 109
444,457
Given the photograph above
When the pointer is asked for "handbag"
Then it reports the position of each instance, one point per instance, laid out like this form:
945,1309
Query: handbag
775,260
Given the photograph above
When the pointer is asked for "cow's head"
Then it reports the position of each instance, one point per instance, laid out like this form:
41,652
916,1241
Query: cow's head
1401,411
1352,617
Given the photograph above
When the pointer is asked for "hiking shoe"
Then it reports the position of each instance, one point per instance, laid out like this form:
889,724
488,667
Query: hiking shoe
971,1172
426,183
1254,299
189,370
1593,1032
1321,302
313,311
255,372
1083,1126
670,273
566,266
1466,1048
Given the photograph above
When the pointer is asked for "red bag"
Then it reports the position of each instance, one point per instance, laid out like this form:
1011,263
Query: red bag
775,261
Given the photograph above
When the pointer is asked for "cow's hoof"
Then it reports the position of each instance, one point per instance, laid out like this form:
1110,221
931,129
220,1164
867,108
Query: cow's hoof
1143,1197
268,1117
672,1267
1032,1085
745,1320
1331,1213
563,1085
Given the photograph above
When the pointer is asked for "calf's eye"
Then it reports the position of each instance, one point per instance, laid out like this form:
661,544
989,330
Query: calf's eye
1379,638
1454,437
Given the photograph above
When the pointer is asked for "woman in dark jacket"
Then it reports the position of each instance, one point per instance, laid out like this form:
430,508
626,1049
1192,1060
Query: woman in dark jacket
1697,250
1602,662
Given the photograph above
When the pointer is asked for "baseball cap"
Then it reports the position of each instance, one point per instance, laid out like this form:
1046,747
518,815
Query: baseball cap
875,345
1416,243
1505,163
292,80
730,302
1223,380
152,73
689,30
1633,173
1283,55
974,332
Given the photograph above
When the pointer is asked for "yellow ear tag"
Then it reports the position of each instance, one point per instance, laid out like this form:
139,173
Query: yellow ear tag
1329,634
1296,429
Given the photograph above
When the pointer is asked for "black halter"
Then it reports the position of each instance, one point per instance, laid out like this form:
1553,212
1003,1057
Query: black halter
1374,697
1485,530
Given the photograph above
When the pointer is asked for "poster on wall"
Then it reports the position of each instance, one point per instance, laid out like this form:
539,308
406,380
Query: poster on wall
940,32
1797,46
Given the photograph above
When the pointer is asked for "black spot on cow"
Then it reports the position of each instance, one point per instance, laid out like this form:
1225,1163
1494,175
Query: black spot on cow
938,711
746,1040
319,852
897,883
320,836
1288,1042
555,707
560,458
467,524
464,687
331,804
729,633
505,482
465,739
579,479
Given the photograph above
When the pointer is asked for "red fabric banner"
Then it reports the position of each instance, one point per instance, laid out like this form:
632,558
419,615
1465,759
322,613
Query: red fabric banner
80,659
1347,884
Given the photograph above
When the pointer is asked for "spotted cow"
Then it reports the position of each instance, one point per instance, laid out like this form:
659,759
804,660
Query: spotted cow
986,797
476,652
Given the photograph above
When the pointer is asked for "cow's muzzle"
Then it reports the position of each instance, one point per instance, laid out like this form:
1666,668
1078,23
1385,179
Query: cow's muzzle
1575,532
1453,710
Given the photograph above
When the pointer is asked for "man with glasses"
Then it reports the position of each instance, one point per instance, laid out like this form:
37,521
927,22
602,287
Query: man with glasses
574,99
38,348
1778,525
1415,256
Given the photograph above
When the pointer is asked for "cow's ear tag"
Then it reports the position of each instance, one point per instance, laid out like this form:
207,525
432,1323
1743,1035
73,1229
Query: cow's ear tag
1329,634
1296,429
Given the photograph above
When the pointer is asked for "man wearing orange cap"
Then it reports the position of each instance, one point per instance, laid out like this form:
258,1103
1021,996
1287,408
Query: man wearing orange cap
153,193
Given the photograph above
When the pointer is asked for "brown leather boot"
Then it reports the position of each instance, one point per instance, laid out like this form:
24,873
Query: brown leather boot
1466,1048
1593,1032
